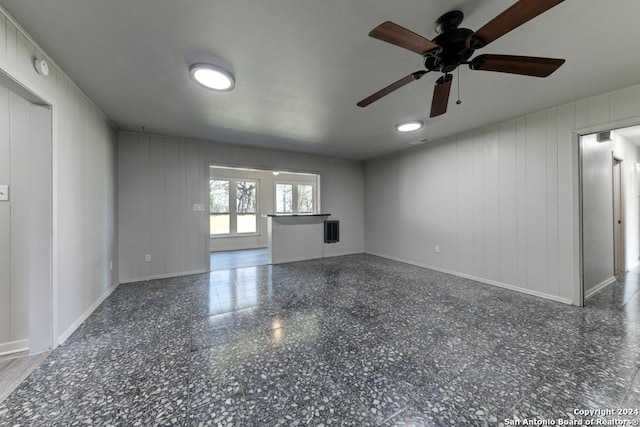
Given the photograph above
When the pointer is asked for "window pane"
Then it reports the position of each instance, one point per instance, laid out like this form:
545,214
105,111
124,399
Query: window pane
305,198
219,196
219,224
246,197
219,220
284,198
247,223
246,205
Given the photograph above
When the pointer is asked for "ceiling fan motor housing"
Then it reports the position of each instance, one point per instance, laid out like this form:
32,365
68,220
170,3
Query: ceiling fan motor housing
453,43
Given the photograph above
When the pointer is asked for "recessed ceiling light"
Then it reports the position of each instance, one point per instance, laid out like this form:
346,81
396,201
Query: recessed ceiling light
409,126
212,76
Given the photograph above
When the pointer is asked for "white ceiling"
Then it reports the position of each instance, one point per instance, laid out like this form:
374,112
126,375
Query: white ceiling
631,133
301,66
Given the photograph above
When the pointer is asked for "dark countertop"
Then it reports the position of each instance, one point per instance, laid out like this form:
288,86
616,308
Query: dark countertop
295,215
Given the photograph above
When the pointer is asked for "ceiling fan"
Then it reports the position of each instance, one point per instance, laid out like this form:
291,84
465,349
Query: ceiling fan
454,46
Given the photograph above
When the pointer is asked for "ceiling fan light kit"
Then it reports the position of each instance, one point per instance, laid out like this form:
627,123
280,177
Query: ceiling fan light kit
454,46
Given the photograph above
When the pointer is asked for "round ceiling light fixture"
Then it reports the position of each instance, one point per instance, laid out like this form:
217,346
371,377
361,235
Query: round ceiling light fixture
409,126
212,76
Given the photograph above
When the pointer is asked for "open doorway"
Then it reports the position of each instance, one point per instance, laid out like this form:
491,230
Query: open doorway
618,217
26,231
240,200
610,210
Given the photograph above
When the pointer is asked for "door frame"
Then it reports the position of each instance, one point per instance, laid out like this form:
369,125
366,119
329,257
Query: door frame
577,220
619,249
42,310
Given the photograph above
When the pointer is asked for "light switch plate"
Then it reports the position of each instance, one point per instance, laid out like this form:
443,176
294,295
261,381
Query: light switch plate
4,192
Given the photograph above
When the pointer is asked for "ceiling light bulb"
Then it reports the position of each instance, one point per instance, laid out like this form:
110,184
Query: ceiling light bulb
212,76
409,126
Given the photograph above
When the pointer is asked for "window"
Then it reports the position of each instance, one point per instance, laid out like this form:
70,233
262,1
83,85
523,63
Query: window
284,198
246,195
295,198
305,198
220,218
237,218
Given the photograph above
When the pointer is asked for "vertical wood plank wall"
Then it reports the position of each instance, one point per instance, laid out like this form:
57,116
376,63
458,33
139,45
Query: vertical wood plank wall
498,200
84,181
161,178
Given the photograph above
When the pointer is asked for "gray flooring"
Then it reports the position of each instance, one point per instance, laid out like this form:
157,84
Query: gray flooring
355,340
238,259
13,370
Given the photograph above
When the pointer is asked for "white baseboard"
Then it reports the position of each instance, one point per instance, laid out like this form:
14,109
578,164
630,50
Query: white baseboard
162,276
481,280
599,287
71,329
311,259
14,347
343,254
236,248
288,260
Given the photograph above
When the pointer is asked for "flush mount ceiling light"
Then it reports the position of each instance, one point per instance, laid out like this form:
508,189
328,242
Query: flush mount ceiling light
212,76
409,126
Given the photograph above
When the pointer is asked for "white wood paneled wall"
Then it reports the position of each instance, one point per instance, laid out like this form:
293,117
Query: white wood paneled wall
161,178
84,182
500,201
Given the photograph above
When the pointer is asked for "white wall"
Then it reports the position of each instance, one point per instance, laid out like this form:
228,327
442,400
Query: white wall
597,207
84,183
266,195
161,178
501,201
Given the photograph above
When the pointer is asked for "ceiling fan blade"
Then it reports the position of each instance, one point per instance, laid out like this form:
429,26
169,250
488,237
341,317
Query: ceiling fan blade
393,86
525,65
400,36
441,95
516,15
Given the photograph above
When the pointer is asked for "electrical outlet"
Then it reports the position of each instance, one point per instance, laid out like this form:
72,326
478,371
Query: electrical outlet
147,258
437,249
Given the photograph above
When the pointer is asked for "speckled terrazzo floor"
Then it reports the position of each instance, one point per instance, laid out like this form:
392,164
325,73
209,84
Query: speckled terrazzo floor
355,340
